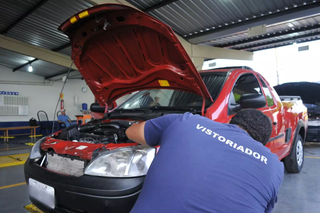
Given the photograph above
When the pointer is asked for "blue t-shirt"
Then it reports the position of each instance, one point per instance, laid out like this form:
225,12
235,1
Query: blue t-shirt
205,166
64,118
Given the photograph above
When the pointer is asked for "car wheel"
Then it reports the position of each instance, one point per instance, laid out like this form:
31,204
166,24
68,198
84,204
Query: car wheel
294,161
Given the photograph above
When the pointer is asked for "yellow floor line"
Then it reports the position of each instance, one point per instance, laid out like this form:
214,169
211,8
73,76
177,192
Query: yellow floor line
312,157
12,185
13,160
32,209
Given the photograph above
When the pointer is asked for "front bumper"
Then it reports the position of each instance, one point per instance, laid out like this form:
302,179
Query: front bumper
313,134
86,193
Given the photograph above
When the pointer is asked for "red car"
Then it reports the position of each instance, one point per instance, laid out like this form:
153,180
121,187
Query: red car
119,50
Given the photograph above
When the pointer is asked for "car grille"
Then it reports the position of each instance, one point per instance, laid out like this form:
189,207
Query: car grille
65,165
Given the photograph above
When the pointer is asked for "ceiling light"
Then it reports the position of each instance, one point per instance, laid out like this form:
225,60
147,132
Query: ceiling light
30,68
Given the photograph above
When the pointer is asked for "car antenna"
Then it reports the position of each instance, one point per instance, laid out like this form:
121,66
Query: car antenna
64,83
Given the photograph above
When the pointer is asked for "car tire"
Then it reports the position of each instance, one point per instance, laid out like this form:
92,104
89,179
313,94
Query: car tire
294,161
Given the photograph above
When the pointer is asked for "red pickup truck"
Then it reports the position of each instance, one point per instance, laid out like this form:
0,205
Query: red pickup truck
119,50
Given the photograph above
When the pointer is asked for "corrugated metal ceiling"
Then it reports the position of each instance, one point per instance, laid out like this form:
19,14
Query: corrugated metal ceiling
40,28
188,17
283,27
11,10
11,59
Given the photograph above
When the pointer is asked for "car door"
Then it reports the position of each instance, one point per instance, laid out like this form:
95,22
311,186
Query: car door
278,127
245,84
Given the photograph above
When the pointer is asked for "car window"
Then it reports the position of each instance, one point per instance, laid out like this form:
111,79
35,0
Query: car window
267,92
247,83
175,98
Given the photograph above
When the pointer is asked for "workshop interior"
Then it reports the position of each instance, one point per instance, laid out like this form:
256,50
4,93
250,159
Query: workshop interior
76,74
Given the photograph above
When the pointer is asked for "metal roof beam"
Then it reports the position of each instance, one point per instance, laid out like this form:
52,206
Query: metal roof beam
197,51
36,59
282,16
34,51
24,16
285,44
159,5
269,35
201,51
278,41
25,64
58,74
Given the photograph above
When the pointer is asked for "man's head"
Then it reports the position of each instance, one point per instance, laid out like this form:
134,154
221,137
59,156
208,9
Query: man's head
63,111
156,99
255,123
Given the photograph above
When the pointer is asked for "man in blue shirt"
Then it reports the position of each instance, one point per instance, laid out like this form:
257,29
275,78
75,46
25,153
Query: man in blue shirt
205,166
63,118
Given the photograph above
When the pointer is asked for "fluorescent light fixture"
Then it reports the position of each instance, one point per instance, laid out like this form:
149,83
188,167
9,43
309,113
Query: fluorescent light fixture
30,68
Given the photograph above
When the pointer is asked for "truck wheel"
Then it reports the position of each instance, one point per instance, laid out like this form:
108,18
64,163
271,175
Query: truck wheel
294,161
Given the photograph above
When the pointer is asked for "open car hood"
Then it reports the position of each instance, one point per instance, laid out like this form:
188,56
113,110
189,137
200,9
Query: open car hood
306,90
118,50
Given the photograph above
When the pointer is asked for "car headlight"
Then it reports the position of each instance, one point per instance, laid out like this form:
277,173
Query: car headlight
35,151
123,162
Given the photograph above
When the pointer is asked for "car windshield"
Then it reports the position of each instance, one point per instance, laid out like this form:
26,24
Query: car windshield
169,98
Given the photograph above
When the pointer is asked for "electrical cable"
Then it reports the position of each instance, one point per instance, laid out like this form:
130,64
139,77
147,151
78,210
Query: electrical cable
64,83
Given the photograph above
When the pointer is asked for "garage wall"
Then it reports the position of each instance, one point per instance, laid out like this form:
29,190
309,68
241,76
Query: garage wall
43,96
280,65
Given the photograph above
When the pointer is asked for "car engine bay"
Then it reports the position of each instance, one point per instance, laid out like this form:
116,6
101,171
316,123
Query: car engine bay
97,133
72,149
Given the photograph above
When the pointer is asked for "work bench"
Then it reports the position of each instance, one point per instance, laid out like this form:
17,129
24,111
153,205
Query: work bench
6,131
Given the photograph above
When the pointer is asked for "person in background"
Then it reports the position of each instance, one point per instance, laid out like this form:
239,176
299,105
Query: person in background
63,118
145,100
155,102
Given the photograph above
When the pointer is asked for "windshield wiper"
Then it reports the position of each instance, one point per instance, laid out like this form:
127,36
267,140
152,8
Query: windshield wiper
172,108
130,110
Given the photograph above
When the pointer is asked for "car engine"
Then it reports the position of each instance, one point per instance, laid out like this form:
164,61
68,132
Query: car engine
97,133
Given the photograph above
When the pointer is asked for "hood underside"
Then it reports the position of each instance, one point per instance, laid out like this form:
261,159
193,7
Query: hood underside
119,50
306,90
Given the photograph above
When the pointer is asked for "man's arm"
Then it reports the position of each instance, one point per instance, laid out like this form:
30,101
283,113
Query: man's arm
136,133
69,120
59,119
151,131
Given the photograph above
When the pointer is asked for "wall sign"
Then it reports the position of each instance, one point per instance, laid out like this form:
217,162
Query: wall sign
8,93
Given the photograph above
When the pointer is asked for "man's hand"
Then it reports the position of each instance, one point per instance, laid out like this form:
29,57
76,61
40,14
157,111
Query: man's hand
136,133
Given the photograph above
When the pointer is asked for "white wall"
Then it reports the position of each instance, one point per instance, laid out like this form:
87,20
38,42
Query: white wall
281,65
43,97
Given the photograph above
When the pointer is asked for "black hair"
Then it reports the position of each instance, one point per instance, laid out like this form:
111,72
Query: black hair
255,123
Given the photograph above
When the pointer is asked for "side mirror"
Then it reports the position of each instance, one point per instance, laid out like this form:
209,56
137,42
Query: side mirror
252,100
95,107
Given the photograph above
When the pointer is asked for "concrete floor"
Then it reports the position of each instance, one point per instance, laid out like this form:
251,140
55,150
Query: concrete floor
299,193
